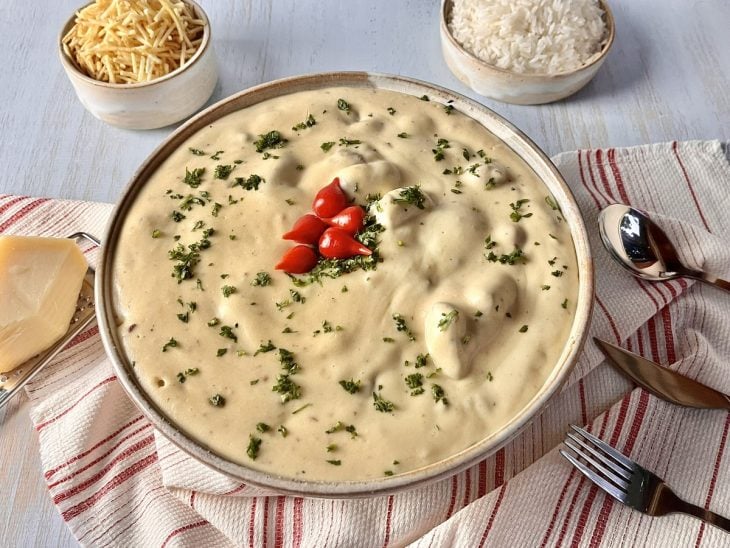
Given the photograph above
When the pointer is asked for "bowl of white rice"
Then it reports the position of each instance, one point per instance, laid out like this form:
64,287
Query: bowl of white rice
526,52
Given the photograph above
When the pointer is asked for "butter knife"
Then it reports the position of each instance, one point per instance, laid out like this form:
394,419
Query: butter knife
662,382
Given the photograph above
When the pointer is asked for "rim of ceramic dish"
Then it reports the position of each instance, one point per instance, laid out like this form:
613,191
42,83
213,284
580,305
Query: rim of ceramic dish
447,6
71,65
510,135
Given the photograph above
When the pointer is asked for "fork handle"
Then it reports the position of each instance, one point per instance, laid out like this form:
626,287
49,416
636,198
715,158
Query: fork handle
705,515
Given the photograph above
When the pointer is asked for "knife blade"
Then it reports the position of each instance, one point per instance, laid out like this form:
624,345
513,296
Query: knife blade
662,382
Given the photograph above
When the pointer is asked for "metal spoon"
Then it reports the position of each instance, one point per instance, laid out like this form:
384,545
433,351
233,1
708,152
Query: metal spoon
640,246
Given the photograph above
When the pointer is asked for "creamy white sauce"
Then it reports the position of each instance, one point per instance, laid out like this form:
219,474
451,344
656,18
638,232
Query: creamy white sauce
433,263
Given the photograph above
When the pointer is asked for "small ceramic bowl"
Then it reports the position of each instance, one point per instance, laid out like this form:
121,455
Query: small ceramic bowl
513,87
152,104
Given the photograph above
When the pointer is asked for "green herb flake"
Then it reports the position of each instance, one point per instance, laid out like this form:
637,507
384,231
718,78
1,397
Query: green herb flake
336,462
193,178
287,388
564,304
557,273
388,473
343,105
221,352
227,332
262,279
172,343
351,387
448,109
490,377
403,135
254,446
197,151
228,290
331,447
213,322
516,207
327,146
271,139
414,381
222,171
400,325
251,183
388,339
523,329
552,204
447,319
381,404
283,431
424,98
411,195
263,427
309,122
349,142
545,287
391,111
265,347
217,400
156,233
438,394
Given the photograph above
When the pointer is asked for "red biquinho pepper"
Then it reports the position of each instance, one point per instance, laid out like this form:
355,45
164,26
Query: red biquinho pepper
335,243
330,200
298,260
306,230
349,219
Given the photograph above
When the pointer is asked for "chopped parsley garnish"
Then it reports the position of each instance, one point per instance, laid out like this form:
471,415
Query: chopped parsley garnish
545,287
197,151
184,317
421,361
283,431
189,201
228,290
448,108
331,447
490,377
557,273
343,105
262,279
438,394
327,146
286,359
352,386
414,381
265,347
217,155
227,332
347,142
177,216
272,139
336,462
424,98
302,408
381,404
564,304
339,425
489,243
447,319
388,473
411,195
400,325
222,171
187,373
441,146
550,201
254,445
217,400
186,260
511,258
523,329
221,352
192,178
172,343
388,339
216,208
403,135
287,388
490,184
263,427
516,215
156,233
213,322
391,111
309,122
251,183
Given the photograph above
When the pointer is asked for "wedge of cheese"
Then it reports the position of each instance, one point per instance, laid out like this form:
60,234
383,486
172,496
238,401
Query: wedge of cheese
40,281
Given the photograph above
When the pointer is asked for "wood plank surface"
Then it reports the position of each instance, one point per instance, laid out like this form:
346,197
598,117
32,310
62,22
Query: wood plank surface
667,77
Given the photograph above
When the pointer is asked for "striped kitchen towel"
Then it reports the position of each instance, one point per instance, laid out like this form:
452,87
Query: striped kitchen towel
117,482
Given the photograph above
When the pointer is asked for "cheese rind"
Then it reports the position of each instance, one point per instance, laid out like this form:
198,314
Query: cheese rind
40,281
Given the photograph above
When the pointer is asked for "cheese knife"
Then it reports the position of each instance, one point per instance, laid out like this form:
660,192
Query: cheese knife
662,382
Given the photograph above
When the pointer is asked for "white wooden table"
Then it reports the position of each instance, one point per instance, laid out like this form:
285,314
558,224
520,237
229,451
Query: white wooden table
668,77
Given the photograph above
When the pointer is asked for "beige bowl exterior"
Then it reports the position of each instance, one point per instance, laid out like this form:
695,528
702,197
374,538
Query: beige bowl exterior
153,104
512,87
511,136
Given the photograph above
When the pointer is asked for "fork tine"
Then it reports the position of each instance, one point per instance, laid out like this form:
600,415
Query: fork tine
620,482
628,463
614,466
607,486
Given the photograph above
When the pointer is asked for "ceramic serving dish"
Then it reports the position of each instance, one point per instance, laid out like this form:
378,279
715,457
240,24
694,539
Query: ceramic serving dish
512,87
513,138
153,104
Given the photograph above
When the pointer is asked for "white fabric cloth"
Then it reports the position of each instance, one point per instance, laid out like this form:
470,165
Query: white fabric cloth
117,482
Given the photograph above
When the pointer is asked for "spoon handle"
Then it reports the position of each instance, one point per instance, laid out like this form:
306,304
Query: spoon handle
714,280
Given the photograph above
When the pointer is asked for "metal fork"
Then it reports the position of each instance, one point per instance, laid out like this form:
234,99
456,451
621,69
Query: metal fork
628,482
